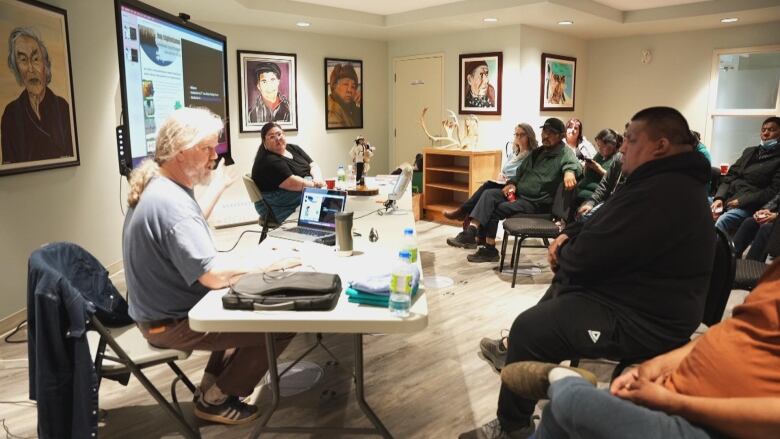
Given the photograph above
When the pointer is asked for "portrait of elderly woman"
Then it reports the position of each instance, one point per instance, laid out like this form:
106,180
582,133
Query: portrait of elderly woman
268,90
480,75
36,125
344,91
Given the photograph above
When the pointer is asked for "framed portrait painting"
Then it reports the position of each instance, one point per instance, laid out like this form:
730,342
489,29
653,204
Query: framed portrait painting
38,127
267,90
343,93
480,83
558,76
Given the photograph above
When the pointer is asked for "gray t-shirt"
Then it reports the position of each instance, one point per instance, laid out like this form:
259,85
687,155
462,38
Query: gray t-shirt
166,246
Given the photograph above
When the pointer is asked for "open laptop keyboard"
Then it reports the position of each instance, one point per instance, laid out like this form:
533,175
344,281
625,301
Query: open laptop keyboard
311,232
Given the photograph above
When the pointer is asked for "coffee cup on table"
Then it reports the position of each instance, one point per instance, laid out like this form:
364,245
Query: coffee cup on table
344,233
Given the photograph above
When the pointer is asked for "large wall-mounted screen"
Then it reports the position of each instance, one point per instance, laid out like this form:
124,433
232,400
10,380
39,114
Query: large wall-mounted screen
165,63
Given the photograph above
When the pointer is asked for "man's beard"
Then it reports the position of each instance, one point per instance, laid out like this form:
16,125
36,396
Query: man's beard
199,175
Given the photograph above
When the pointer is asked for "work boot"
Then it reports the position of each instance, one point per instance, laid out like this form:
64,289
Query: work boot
465,239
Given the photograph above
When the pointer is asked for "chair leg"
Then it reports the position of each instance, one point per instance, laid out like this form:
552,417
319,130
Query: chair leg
503,251
263,232
182,376
514,250
516,257
546,242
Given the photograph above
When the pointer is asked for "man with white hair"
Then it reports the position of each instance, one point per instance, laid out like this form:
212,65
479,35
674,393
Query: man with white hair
36,125
171,263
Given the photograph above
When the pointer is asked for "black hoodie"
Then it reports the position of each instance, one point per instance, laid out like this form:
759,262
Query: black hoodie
648,252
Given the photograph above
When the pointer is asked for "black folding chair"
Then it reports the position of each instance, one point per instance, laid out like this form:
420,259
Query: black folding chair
542,226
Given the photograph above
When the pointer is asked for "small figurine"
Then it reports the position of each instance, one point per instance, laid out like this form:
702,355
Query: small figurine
373,236
361,154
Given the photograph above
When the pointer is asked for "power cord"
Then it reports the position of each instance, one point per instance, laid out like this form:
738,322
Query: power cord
18,328
10,435
239,239
367,214
121,206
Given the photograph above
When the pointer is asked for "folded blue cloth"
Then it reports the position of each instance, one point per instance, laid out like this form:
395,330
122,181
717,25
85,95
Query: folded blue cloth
379,284
371,299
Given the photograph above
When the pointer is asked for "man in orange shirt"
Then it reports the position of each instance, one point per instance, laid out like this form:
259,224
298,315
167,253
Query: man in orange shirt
726,382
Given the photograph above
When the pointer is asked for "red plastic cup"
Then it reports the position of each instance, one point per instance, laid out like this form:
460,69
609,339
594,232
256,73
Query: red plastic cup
724,168
330,183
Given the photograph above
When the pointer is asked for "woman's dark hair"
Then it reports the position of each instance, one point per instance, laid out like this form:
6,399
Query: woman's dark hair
773,119
265,129
579,123
610,137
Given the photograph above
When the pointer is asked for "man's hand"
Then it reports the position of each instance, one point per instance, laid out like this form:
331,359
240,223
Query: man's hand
318,183
552,252
717,208
226,175
595,166
733,204
584,208
764,216
649,394
569,180
509,188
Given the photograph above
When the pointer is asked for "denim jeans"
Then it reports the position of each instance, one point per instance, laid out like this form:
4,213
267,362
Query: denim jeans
730,220
579,410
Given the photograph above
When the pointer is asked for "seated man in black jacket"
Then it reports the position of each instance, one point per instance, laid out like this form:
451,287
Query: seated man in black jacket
630,282
751,181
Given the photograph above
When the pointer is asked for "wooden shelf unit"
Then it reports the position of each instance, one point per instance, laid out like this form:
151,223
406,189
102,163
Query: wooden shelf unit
451,176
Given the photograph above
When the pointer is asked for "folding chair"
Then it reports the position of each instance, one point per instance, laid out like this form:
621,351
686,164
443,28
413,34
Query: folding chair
123,350
543,226
268,221
750,271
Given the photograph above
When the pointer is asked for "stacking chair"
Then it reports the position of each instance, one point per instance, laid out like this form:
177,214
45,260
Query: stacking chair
719,290
267,222
749,271
542,226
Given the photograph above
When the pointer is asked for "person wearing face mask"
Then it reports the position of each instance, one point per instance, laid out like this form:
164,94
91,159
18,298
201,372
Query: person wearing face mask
281,171
751,181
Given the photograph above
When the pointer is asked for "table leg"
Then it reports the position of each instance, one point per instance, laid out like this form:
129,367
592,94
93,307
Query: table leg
359,393
273,378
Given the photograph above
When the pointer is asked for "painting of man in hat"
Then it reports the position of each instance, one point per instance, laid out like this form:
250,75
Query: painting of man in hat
345,93
480,75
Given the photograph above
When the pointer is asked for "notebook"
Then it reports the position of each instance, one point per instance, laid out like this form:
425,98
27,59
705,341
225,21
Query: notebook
316,215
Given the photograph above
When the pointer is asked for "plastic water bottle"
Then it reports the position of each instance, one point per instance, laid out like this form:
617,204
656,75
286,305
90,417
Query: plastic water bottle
410,244
341,178
401,285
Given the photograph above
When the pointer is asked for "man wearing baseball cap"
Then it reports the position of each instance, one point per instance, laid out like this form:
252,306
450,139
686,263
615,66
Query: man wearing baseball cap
533,187
344,100
270,105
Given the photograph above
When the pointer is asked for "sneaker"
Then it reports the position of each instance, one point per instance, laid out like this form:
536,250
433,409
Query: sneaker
493,430
231,411
529,379
457,214
494,351
485,253
465,239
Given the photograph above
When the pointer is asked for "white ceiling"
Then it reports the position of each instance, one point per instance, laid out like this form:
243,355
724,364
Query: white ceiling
399,19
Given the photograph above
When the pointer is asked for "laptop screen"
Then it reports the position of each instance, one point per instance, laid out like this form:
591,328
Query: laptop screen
319,207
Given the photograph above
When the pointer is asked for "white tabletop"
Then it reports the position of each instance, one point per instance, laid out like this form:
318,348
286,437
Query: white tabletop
369,258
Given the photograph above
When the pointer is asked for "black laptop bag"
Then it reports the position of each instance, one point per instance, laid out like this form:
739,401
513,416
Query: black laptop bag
289,291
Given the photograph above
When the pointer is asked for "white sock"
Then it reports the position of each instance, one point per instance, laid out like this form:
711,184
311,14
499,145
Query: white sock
214,395
558,373
207,381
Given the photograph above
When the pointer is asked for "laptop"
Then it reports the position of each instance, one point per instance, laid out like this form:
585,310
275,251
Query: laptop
316,215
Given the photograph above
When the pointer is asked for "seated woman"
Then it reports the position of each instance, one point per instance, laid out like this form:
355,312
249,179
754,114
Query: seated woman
281,171
756,230
524,142
751,181
608,142
576,141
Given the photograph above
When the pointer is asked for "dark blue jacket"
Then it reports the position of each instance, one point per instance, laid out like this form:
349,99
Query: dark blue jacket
65,286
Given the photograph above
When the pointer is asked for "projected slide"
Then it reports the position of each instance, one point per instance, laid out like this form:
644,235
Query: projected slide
167,67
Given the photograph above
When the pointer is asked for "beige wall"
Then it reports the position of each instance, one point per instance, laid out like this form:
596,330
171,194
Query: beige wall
522,47
619,84
82,204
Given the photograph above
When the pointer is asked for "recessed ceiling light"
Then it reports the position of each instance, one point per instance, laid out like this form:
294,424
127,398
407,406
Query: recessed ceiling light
729,20
566,22
303,24
490,20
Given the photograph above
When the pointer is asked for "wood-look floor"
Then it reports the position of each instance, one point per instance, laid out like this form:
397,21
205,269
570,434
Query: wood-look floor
431,384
